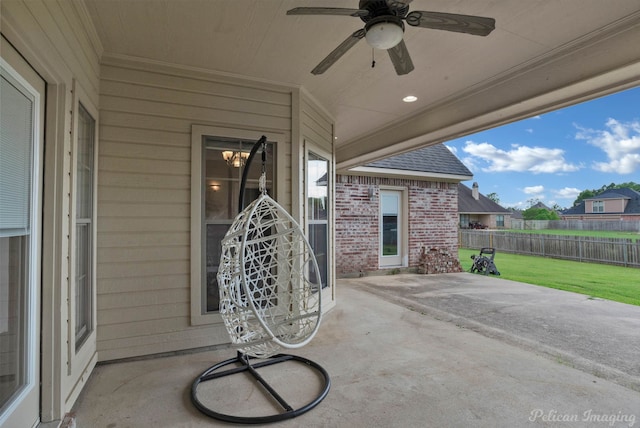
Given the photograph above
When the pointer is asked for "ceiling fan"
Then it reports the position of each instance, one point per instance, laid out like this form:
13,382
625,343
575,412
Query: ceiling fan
384,28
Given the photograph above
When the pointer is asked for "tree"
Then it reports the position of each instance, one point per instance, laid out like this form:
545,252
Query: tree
494,197
539,214
586,194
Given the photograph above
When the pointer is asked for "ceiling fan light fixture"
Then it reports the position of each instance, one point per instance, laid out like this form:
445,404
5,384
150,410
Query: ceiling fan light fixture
384,34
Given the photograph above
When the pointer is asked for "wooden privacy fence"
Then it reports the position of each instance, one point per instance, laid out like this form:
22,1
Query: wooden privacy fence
611,225
614,251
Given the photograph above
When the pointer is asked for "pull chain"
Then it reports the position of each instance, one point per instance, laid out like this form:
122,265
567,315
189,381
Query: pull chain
373,58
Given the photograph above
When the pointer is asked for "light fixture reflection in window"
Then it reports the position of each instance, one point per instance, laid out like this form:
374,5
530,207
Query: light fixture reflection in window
235,159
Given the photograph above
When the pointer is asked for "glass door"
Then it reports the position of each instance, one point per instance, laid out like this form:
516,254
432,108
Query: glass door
390,228
21,125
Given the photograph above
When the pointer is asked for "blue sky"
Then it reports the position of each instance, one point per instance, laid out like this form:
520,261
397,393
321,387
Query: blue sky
554,156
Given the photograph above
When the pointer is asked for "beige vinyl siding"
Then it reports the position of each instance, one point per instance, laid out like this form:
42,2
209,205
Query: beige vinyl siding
59,41
316,135
614,205
147,111
62,37
317,125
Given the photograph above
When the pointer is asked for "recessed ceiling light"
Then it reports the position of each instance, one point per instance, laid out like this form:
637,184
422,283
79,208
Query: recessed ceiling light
410,98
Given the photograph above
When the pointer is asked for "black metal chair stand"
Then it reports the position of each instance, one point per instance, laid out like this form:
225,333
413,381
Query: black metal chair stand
245,365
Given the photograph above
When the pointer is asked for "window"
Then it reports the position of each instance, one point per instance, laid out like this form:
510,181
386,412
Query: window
598,206
499,220
218,155
84,181
317,211
223,164
390,223
16,183
21,108
465,219
392,230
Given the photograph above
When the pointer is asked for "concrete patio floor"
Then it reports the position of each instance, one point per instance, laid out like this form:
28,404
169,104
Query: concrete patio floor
400,354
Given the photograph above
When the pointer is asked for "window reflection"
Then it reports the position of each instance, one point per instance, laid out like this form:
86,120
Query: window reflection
390,219
317,209
222,175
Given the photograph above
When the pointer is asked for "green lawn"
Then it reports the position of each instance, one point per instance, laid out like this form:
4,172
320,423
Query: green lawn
634,236
621,284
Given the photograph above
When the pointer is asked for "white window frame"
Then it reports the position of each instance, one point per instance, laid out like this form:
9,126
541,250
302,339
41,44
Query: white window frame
198,132
34,249
404,222
464,221
597,206
318,151
83,359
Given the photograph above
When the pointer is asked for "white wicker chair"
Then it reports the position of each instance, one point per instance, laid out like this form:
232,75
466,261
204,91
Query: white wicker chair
270,298
270,289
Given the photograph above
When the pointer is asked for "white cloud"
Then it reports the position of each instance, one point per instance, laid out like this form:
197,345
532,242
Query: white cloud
533,190
519,205
537,160
535,193
621,143
567,193
529,130
470,163
536,117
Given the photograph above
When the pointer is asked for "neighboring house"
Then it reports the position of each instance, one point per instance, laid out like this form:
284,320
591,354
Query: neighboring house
541,206
388,211
516,214
478,211
614,204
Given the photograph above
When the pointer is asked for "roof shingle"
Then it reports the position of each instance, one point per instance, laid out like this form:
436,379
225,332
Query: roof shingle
468,204
434,159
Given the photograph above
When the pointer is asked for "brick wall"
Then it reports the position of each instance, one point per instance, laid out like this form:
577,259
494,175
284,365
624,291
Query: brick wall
433,220
356,236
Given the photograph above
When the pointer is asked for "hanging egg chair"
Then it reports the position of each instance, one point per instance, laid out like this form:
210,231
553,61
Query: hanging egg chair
270,295
269,281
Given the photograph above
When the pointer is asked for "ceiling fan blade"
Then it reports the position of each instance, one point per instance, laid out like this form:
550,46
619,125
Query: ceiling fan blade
327,11
337,53
400,58
476,25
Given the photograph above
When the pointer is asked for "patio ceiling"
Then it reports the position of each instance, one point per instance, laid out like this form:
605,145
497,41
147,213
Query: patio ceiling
542,55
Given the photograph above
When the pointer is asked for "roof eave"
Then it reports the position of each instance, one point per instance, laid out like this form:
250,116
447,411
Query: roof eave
400,173
485,212
595,198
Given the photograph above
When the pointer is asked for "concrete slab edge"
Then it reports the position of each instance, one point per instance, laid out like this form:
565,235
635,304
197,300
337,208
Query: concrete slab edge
562,357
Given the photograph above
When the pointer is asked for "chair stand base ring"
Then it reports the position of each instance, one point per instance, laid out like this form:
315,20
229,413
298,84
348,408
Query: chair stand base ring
245,366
